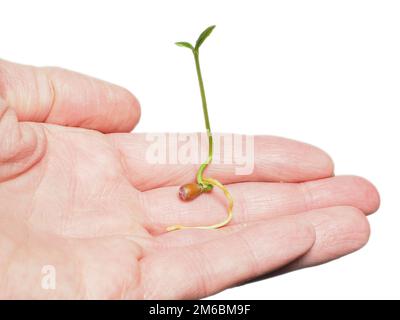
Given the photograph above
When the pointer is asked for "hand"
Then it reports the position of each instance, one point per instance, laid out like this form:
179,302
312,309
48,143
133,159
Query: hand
77,194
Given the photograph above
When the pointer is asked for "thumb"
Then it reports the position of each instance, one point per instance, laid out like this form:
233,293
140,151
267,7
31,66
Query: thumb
21,144
67,98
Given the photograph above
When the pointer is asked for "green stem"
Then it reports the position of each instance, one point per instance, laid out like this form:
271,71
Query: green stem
200,172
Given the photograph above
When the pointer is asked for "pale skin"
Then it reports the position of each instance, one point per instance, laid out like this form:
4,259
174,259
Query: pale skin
77,193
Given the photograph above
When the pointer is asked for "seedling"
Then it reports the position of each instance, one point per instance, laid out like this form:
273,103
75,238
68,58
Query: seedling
191,191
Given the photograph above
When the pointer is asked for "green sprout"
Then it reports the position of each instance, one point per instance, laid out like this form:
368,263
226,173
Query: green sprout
192,190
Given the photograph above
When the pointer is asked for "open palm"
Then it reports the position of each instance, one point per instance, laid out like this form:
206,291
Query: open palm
77,194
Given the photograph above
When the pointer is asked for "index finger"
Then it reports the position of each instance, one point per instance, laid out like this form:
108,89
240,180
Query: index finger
272,159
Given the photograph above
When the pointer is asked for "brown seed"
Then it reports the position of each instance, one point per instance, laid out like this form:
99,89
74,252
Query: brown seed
190,191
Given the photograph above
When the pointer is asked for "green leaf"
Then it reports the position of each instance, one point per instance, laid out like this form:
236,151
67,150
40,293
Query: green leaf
185,45
203,37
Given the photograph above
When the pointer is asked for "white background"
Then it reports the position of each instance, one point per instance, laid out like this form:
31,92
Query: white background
324,72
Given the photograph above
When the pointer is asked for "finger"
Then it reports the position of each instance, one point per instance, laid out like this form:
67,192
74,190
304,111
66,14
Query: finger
206,268
258,201
62,97
21,145
270,159
339,231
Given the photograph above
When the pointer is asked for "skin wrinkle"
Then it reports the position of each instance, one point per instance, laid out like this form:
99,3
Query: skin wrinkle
149,221
143,203
249,250
328,236
37,89
139,291
313,236
347,235
38,152
138,254
116,293
121,158
145,242
72,186
319,222
102,196
97,99
19,155
124,289
307,196
10,153
357,239
170,178
278,202
44,165
110,97
333,242
3,79
52,91
203,269
10,125
140,196
130,174
242,203
101,202
32,206
18,86
147,292
138,281
276,157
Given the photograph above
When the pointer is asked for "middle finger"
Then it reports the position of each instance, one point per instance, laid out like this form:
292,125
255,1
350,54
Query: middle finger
255,201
